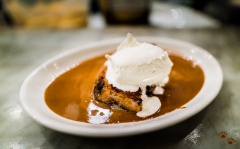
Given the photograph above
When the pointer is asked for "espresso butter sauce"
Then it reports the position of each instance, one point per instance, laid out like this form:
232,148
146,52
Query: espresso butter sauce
70,94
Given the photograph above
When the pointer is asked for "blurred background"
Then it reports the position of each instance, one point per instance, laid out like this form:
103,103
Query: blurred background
65,14
33,31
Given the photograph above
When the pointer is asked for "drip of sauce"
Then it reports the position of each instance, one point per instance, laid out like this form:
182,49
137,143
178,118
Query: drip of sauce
70,94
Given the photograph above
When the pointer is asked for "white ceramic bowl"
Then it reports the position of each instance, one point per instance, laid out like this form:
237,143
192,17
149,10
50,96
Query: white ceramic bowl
33,88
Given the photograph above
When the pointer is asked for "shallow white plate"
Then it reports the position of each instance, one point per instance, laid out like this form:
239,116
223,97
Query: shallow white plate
33,88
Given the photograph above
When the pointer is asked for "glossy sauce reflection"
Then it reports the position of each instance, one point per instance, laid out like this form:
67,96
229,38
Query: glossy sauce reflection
70,94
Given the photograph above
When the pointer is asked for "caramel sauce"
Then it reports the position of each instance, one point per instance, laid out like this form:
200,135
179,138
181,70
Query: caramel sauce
70,94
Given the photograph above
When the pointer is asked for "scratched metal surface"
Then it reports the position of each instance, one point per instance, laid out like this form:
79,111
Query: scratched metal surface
21,51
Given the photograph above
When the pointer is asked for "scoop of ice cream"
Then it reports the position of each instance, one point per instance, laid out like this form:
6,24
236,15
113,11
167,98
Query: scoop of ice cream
144,64
136,65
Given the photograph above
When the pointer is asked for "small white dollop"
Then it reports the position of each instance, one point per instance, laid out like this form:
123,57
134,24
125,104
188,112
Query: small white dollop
158,90
136,65
149,106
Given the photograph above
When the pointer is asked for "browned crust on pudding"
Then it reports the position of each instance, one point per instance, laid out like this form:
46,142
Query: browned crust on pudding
106,93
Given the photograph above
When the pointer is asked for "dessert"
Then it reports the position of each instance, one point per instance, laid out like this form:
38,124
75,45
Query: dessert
70,94
132,76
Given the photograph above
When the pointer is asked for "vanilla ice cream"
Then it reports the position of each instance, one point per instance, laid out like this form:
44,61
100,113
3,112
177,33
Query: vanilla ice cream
136,65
